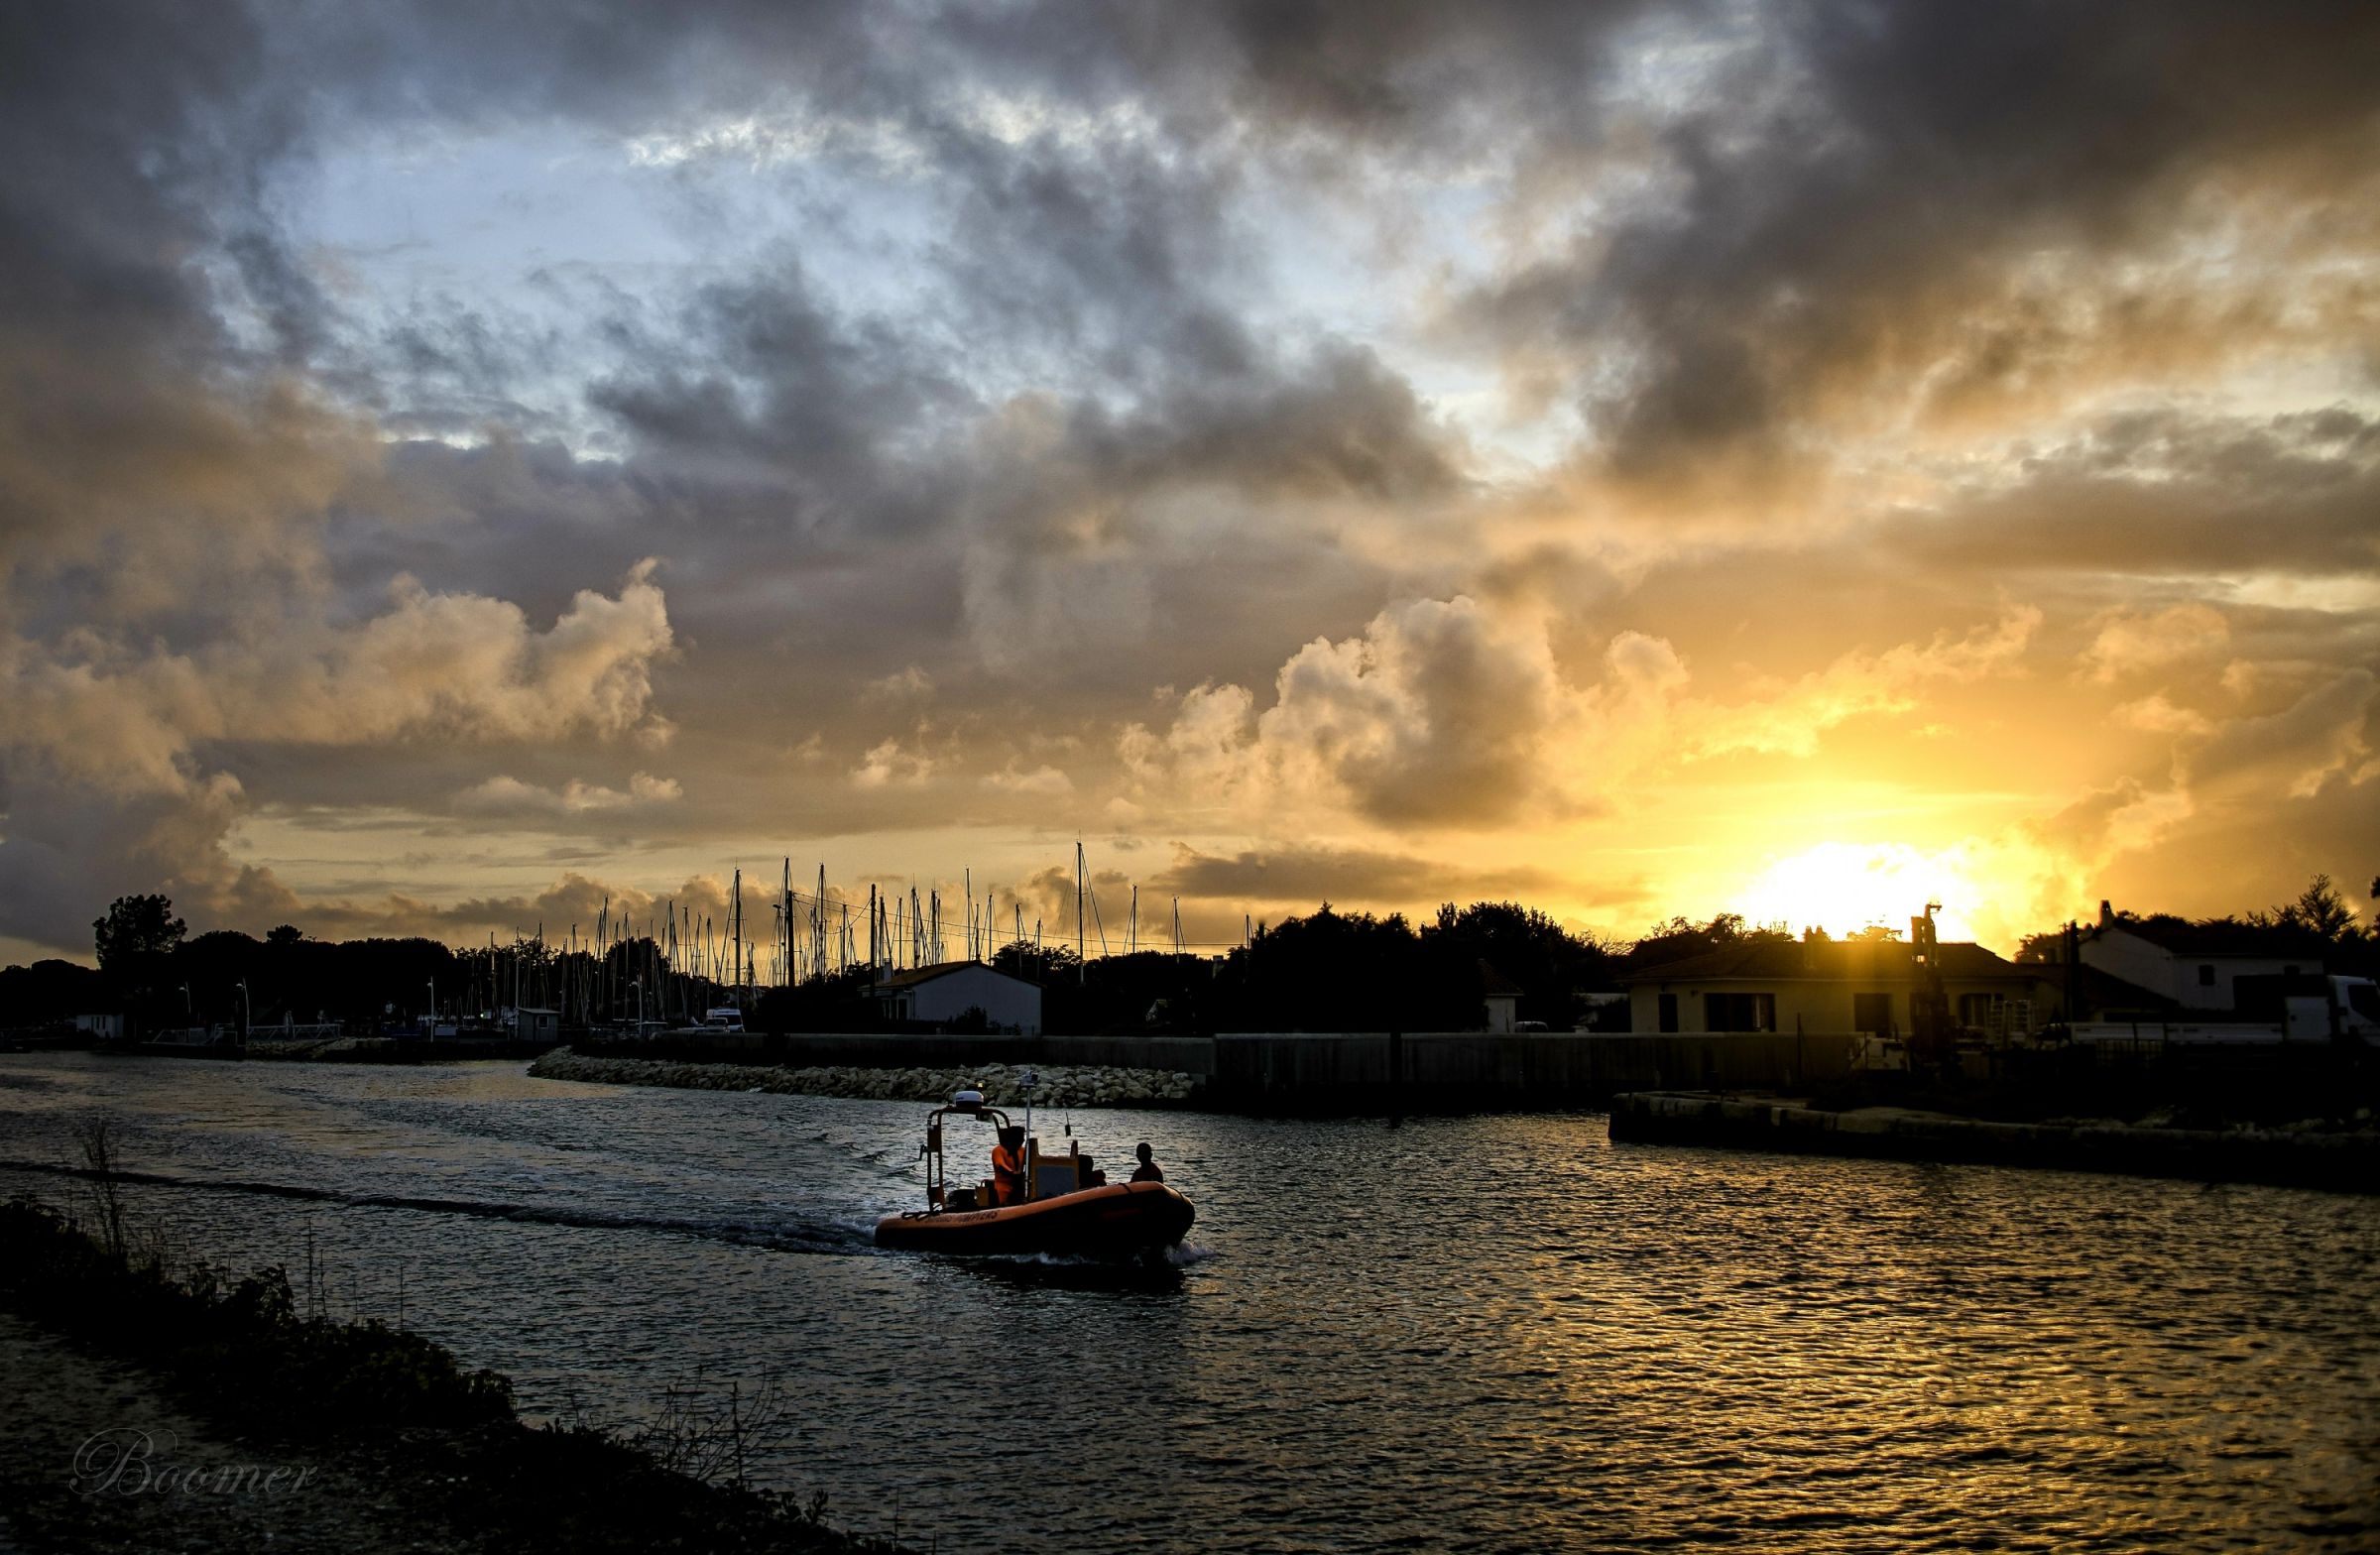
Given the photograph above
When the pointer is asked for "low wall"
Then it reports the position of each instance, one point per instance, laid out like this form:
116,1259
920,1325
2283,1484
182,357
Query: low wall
1354,1072
1464,1071
2296,1157
1191,1056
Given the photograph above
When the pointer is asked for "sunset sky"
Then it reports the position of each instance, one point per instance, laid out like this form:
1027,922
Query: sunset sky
458,462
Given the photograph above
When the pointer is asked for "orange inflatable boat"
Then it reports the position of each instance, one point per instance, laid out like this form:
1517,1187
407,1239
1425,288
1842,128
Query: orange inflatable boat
1062,1204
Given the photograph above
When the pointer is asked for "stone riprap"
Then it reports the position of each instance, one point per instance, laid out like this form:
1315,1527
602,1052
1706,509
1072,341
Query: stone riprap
1055,1085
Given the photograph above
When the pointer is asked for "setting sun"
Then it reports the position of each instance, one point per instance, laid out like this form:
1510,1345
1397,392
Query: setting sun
1844,887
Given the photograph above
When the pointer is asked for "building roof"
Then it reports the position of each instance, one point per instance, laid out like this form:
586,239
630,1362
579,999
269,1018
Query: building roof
2101,992
1777,961
2207,941
1494,985
913,975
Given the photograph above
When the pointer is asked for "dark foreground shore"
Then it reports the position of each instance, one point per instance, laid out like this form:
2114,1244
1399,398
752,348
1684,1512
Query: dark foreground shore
150,1408
2345,1160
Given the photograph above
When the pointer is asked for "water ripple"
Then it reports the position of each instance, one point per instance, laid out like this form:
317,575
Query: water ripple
1478,1334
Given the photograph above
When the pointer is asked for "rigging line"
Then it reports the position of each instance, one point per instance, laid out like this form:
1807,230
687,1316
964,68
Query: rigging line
833,904
802,898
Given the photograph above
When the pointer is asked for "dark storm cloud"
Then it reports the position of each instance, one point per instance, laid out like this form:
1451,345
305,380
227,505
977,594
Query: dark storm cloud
1313,874
1110,260
138,141
759,403
2169,492
1865,221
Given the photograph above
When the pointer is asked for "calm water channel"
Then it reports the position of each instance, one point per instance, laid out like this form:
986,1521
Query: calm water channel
1486,1332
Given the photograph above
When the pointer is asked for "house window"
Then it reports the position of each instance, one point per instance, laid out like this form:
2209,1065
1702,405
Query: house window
2205,974
1872,1012
1669,1012
1739,1011
1980,1011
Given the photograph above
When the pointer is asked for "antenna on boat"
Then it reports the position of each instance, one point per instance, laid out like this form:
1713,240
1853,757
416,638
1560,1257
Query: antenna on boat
1026,1086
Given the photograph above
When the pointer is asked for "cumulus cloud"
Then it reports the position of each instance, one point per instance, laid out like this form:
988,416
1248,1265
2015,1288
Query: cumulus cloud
2128,642
1438,713
113,745
1791,718
1446,713
504,795
453,665
889,761
1046,780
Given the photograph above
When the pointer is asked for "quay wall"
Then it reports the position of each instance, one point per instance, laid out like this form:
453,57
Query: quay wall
2296,1157
1346,1072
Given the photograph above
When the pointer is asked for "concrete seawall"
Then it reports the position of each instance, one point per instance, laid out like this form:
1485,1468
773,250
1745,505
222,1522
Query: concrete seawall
1466,1071
1347,1072
2293,1158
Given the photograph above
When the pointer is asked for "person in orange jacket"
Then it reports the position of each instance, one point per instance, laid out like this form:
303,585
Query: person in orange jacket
1007,1167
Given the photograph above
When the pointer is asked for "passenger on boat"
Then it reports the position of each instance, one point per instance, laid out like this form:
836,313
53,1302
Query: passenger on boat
1007,1167
1149,1170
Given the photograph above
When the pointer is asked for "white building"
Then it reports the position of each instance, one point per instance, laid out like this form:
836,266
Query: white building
1502,998
2196,966
946,991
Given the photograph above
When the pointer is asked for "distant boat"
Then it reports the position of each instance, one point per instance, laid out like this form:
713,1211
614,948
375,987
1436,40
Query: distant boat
1068,1208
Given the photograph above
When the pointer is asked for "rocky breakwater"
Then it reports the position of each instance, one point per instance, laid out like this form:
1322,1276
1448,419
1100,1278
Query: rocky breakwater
1054,1084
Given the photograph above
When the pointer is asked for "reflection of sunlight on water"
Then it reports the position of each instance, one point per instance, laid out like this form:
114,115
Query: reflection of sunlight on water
1504,1330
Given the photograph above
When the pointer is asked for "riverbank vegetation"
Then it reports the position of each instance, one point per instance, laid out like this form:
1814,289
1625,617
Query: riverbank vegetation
266,1359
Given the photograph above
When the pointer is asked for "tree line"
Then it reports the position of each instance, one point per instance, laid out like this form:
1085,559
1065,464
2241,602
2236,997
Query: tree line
1323,971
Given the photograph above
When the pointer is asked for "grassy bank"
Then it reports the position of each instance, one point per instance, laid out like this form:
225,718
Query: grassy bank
393,1408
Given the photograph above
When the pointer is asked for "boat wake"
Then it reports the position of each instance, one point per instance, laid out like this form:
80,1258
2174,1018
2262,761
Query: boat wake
784,1236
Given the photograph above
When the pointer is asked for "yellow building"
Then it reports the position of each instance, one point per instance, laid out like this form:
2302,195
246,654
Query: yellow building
1836,985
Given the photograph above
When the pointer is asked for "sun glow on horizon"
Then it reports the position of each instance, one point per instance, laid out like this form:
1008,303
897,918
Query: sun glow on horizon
1845,887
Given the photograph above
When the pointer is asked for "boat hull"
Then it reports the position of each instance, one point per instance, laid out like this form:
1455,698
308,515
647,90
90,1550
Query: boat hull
1117,1219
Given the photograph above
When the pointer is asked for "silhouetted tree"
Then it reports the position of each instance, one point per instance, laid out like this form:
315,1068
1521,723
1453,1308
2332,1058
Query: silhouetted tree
136,927
133,942
1551,965
1346,971
50,992
2319,910
1681,938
